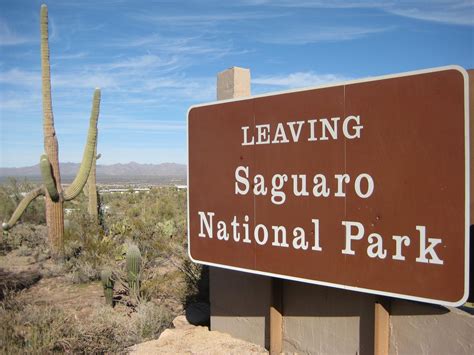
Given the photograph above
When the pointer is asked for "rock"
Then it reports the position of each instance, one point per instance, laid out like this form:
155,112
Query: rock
198,313
180,322
196,340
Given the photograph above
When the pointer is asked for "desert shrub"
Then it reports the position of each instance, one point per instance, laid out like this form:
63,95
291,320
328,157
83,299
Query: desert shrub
155,221
196,279
106,331
34,329
10,337
112,331
159,284
151,320
32,239
87,248
44,329
7,243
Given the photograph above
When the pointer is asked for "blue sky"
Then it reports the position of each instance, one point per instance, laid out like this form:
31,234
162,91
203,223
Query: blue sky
153,59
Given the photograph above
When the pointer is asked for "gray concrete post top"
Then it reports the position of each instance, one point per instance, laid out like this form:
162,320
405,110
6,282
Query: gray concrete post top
233,82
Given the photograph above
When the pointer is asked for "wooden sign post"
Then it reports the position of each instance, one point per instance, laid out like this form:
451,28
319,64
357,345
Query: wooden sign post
276,317
381,327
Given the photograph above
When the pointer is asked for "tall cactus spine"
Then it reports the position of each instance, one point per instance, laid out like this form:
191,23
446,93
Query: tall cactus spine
134,262
54,209
49,163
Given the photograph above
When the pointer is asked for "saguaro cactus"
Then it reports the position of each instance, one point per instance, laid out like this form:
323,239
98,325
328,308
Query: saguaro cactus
49,163
108,285
134,262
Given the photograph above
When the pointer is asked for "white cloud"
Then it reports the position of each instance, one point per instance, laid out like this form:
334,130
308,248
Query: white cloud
454,12
448,12
138,85
146,125
32,79
338,4
84,81
298,80
176,88
207,20
181,46
20,77
9,37
314,35
53,33
145,61
18,103
78,55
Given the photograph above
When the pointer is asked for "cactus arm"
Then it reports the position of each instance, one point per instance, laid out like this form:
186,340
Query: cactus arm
80,180
92,203
86,186
48,179
30,196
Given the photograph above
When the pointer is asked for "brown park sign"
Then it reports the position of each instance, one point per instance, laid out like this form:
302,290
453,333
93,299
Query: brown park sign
362,185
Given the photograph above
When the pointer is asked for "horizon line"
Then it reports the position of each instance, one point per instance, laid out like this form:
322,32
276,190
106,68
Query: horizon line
70,162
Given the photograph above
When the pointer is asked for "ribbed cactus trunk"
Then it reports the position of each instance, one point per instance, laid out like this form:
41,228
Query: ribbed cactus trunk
54,210
134,263
93,207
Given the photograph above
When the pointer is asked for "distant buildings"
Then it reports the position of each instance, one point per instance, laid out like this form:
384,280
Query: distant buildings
131,189
122,190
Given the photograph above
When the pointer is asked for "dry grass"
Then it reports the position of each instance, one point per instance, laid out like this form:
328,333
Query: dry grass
45,328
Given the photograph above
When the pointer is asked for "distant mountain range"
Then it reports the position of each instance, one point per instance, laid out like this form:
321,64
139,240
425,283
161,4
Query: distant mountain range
129,171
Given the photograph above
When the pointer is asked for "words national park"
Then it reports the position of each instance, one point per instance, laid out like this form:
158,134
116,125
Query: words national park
361,185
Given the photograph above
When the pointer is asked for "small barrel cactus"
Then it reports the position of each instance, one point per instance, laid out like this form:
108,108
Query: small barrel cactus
134,261
108,285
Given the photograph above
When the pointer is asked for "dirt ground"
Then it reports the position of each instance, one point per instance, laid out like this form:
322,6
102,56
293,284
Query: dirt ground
23,272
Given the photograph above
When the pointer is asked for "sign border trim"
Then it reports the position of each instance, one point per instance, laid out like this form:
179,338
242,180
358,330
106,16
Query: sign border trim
341,286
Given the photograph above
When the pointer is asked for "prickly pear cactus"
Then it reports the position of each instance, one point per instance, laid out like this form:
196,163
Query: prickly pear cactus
134,262
108,285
